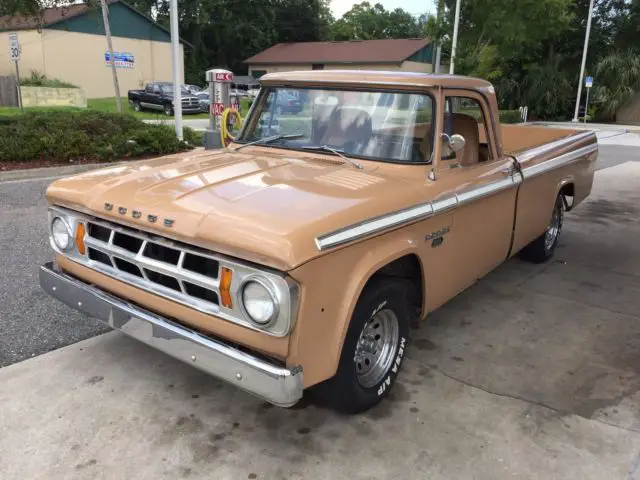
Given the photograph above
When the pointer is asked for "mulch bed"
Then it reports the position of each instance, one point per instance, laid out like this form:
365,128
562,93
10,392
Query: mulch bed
6,166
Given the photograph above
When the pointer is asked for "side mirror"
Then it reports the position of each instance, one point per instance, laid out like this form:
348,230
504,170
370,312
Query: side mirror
455,142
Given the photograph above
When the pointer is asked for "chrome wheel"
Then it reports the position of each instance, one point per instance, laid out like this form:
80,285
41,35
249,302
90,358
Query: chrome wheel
376,348
553,230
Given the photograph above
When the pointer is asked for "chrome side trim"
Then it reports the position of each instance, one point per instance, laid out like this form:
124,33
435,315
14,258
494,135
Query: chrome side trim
559,161
278,385
152,106
444,204
412,214
374,225
553,146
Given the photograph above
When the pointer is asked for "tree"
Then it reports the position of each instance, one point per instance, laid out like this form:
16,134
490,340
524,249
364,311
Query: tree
617,80
373,22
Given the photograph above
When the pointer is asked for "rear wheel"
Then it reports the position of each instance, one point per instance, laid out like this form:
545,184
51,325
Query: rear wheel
543,247
168,110
374,348
136,106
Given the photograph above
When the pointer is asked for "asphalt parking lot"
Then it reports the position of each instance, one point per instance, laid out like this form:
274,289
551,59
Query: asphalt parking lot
531,373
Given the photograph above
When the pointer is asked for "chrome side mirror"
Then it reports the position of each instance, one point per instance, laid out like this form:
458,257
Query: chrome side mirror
455,142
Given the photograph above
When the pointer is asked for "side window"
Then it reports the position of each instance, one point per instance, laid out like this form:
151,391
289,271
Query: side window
465,116
149,88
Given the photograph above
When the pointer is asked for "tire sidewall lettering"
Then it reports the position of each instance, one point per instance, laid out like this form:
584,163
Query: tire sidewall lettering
395,367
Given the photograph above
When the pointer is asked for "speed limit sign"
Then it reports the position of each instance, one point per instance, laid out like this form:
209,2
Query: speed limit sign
14,47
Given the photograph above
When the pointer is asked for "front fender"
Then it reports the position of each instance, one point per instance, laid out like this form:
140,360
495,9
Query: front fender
330,288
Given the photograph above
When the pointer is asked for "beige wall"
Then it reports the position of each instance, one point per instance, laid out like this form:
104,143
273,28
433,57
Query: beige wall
406,66
630,112
79,58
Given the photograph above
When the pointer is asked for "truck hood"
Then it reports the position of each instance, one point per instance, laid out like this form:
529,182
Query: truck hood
267,208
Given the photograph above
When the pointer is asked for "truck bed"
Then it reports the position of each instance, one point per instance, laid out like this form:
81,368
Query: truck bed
516,139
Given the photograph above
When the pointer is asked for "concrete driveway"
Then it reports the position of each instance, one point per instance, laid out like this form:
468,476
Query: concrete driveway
531,373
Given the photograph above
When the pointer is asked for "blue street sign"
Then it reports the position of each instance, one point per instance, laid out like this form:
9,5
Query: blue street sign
588,82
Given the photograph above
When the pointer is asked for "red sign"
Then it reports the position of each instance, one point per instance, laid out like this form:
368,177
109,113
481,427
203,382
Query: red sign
217,109
224,77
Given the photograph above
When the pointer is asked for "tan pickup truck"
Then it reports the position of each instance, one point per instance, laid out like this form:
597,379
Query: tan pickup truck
295,259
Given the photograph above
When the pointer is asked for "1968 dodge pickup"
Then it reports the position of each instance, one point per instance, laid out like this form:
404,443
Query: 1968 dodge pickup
296,258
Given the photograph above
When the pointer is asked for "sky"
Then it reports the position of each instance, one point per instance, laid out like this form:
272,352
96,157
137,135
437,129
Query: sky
417,7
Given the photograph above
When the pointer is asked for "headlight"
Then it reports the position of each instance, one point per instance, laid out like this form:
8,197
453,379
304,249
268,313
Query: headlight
259,302
60,233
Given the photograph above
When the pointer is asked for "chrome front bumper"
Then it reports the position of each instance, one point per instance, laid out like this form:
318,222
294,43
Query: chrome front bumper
277,385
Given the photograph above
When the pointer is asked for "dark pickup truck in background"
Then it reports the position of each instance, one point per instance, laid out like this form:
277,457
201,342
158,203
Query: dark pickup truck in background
159,96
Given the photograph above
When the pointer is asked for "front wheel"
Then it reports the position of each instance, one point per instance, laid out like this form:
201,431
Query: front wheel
543,247
168,110
373,350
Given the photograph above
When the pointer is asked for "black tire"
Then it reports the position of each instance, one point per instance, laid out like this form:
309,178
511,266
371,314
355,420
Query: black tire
345,391
136,106
543,247
168,110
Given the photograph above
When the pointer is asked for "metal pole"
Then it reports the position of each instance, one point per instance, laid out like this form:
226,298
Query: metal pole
455,38
586,106
19,88
177,90
439,40
107,31
584,61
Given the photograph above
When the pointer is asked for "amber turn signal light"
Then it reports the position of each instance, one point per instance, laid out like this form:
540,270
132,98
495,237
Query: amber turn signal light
80,231
225,287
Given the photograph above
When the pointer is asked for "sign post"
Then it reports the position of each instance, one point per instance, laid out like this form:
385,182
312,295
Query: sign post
588,83
14,55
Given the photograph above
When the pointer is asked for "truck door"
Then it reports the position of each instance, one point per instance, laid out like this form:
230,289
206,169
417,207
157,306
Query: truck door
484,184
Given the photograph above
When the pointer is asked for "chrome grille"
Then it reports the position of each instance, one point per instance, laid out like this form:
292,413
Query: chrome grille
155,264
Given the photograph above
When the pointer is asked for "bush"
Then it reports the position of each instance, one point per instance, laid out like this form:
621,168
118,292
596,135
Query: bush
64,136
38,79
510,116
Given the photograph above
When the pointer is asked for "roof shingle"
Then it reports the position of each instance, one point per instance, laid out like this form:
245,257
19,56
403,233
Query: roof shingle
355,51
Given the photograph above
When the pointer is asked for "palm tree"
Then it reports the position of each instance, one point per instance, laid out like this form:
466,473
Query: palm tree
617,80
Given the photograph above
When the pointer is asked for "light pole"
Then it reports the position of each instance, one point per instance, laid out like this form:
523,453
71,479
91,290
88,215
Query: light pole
584,61
177,87
112,60
455,38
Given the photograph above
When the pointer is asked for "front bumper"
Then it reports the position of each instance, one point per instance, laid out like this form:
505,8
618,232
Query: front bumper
277,385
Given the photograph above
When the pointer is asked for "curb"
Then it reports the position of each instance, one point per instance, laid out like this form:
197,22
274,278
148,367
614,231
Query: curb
46,172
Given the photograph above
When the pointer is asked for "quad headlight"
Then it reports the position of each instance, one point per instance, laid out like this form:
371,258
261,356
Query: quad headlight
259,301
61,233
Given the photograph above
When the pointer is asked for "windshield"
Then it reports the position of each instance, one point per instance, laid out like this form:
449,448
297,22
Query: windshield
387,126
168,90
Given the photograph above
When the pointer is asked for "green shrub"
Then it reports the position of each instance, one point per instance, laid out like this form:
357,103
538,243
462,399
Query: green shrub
64,136
510,116
38,79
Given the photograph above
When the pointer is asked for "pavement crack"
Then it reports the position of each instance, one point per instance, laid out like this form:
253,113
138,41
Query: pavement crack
532,402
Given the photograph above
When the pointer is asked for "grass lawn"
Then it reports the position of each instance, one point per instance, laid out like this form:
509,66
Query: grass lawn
109,104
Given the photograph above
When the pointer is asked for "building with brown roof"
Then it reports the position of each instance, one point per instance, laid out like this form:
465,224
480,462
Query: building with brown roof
68,43
410,54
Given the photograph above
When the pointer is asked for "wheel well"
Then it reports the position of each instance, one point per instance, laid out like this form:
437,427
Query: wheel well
567,190
409,268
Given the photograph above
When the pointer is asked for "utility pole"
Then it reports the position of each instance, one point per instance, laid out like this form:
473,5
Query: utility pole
439,41
455,38
177,87
584,62
112,60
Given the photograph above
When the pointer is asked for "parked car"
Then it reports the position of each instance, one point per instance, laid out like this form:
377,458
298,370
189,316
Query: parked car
287,103
253,91
239,92
203,97
296,261
159,96
193,88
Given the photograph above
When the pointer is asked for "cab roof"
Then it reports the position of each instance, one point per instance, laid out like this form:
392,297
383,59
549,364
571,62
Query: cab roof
375,77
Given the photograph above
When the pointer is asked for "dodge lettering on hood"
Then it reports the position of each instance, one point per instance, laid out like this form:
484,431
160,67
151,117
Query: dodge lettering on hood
296,258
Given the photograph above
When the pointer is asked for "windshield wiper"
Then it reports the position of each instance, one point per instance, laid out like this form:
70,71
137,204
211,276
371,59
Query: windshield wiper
274,138
335,151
